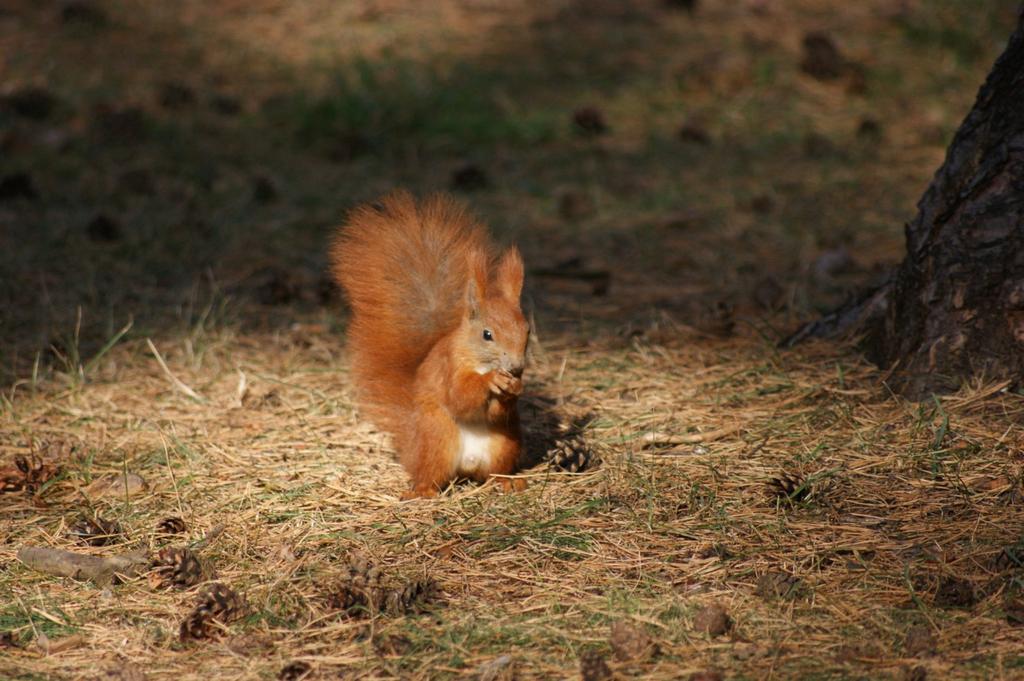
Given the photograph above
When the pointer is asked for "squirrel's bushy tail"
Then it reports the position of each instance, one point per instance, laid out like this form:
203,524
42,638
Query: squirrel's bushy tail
404,268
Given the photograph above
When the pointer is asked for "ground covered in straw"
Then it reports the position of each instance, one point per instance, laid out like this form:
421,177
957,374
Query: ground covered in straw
900,519
686,187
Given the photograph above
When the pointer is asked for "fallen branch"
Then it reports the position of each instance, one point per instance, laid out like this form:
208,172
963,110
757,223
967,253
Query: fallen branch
99,569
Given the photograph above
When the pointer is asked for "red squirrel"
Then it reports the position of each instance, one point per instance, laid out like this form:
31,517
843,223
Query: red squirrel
437,338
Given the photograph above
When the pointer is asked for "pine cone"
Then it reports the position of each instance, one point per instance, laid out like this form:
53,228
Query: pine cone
705,675
630,642
11,480
343,597
571,454
195,626
392,646
411,597
1012,495
360,589
589,121
123,671
175,567
1010,558
593,667
55,449
915,673
218,605
1013,608
294,671
791,487
713,619
95,531
955,592
782,585
28,474
360,566
171,525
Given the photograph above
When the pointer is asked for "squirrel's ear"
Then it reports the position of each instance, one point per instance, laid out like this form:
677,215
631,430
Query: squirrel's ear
476,290
509,275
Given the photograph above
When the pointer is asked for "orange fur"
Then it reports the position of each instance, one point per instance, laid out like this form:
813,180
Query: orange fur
437,339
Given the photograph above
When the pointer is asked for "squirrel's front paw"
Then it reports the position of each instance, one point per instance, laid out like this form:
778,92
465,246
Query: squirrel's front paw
505,384
512,484
419,493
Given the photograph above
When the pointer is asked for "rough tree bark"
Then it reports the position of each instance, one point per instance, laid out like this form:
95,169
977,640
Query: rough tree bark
954,308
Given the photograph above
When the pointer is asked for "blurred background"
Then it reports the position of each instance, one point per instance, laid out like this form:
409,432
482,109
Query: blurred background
739,165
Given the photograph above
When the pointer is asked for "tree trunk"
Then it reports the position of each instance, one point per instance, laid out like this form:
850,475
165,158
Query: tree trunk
954,309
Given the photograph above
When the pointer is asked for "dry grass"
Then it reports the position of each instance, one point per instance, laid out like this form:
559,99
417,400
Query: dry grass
228,395
901,497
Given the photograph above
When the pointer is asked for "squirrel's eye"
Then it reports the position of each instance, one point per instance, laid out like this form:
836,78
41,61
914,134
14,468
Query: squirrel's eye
488,336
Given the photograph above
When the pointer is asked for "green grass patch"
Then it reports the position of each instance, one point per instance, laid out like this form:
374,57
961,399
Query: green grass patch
26,619
398,105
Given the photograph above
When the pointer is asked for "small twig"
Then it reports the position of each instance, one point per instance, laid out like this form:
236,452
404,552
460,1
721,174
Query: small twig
171,377
48,647
654,439
201,544
242,390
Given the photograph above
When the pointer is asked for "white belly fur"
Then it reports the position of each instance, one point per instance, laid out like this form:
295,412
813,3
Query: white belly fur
474,450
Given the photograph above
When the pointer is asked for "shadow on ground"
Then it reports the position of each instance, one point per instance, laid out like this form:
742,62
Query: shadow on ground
160,168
